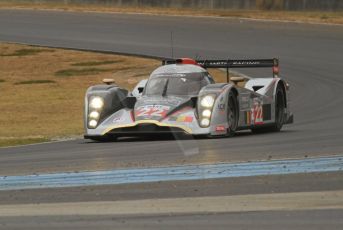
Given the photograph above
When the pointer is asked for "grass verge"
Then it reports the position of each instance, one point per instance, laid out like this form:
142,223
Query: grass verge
21,141
303,16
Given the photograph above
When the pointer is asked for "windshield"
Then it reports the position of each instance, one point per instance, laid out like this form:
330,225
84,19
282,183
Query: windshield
176,85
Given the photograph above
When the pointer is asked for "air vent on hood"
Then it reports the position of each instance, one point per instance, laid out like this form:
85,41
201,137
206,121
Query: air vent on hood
257,87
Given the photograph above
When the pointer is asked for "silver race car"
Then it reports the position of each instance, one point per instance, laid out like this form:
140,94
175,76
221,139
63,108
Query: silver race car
182,97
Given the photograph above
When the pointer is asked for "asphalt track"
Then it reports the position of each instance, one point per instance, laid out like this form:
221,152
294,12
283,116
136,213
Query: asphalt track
310,58
282,220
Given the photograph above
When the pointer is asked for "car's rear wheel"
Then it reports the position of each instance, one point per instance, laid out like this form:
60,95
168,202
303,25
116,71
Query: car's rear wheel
280,107
232,114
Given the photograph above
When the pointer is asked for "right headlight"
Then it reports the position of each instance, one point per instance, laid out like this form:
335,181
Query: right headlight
205,122
96,103
206,106
94,109
92,124
94,115
207,101
206,113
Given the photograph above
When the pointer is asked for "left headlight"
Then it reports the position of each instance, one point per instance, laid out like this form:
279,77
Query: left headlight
205,110
94,109
207,101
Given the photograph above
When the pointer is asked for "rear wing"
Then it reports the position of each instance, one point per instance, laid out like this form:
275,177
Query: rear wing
227,64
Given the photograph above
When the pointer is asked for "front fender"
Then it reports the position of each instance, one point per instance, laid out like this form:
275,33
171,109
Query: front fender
113,97
218,121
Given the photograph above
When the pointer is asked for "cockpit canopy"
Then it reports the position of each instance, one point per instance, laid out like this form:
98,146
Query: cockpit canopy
177,80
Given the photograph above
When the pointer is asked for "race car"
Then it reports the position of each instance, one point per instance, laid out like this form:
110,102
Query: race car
182,97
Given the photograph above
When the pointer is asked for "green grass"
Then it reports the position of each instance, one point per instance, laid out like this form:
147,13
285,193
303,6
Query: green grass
95,63
1,80
21,141
25,52
80,72
34,82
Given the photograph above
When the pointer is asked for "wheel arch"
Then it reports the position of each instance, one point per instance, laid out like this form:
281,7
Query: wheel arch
236,93
281,83
236,97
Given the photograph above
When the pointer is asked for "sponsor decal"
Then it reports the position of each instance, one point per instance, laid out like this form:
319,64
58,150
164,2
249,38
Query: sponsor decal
152,111
173,118
242,62
257,113
118,117
220,128
185,119
118,120
221,106
181,118
248,117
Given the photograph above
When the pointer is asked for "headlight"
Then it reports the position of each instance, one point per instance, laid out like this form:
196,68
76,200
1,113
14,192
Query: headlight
95,107
206,113
207,101
94,115
205,122
93,123
96,103
205,109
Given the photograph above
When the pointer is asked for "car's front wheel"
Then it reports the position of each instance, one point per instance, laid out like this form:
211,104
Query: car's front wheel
232,114
102,138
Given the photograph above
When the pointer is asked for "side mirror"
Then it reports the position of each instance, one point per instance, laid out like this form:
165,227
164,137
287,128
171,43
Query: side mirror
108,81
138,90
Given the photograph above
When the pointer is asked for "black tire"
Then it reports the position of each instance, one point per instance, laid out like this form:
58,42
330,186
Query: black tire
280,106
103,138
232,114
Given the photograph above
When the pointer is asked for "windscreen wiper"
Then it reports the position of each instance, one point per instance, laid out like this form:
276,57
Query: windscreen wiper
164,93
